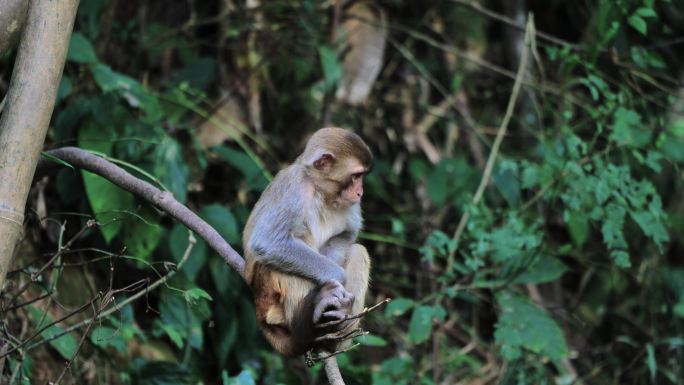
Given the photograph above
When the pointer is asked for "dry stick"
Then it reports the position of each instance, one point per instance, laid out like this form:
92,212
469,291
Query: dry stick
499,138
136,296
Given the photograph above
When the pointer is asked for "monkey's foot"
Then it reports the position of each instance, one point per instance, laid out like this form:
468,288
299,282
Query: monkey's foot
349,317
340,336
333,303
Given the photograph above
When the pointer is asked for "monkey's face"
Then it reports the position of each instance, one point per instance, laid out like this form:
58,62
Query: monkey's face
351,184
354,191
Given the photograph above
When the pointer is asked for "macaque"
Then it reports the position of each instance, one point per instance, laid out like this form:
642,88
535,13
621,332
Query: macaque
302,263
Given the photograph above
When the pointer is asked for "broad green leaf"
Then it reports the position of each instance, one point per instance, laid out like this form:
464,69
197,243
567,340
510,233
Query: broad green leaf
65,88
171,168
524,326
256,181
107,201
332,70
507,181
105,337
141,235
371,340
646,12
628,128
80,49
420,326
192,295
221,219
178,243
638,23
449,178
179,317
578,227
545,269
651,362
398,306
65,345
129,89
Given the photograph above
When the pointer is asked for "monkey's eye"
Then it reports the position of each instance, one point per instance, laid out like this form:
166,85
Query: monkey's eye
357,176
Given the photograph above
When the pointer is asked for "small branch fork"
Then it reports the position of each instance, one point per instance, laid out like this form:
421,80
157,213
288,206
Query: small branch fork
331,367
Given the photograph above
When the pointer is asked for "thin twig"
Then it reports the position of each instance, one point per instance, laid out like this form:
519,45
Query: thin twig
476,7
128,300
491,160
359,315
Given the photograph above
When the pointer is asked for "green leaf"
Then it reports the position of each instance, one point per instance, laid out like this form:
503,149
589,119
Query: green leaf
193,295
223,221
129,89
628,129
107,201
420,326
256,181
332,70
578,227
678,309
449,178
55,159
178,242
171,167
371,340
638,23
105,337
545,269
65,88
80,49
180,318
524,326
651,362
646,12
652,226
506,180
65,345
141,235
398,306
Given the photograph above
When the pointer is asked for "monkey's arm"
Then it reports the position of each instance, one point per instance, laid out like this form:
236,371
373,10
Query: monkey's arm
293,256
336,247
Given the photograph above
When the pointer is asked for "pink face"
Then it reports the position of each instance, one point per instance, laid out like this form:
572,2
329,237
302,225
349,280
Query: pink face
354,192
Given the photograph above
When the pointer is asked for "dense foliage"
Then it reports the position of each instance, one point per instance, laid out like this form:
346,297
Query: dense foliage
568,270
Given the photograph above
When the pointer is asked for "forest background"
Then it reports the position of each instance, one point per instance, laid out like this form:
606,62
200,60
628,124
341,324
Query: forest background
523,213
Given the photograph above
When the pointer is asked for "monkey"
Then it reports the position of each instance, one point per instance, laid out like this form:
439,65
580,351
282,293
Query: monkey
302,261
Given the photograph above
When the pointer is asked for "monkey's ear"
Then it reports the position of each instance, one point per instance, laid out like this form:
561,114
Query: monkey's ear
324,162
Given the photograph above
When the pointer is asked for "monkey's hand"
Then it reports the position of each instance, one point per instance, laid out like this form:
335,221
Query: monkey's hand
332,303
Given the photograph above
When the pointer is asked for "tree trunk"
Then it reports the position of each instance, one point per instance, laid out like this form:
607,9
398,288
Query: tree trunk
24,121
12,18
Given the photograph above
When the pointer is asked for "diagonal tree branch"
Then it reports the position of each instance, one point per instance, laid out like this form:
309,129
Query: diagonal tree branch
164,200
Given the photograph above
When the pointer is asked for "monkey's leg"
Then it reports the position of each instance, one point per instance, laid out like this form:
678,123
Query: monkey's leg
357,266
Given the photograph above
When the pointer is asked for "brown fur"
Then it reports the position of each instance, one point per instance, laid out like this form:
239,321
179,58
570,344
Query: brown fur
275,292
